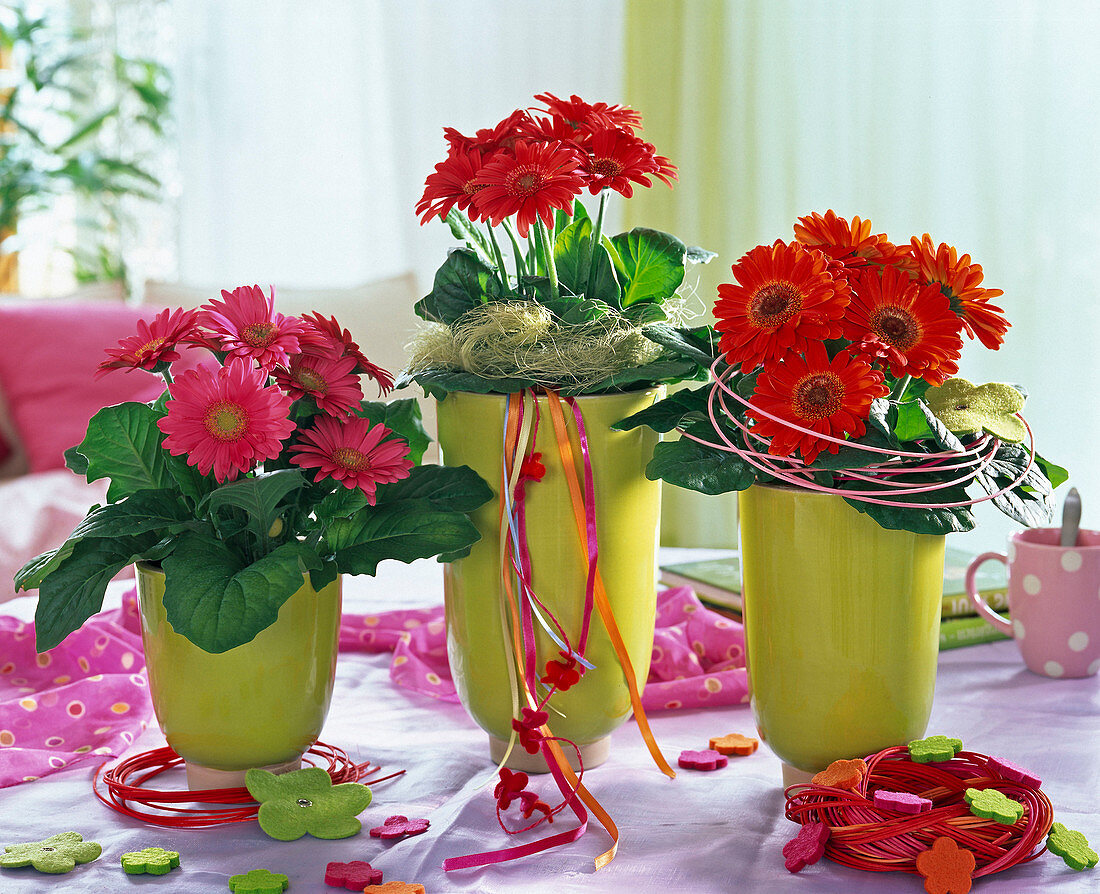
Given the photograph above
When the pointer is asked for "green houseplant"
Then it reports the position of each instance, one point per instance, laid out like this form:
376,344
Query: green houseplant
242,494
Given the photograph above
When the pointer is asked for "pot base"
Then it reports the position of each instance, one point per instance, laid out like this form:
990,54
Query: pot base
794,776
200,778
593,754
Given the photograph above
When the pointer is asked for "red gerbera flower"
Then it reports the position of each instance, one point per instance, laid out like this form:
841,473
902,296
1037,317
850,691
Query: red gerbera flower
489,140
339,343
551,130
914,328
453,185
538,180
353,452
784,298
849,243
154,343
830,398
961,282
226,420
330,381
246,324
581,115
612,158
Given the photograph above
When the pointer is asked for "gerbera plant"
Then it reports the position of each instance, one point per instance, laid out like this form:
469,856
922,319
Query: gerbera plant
539,294
257,466
834,357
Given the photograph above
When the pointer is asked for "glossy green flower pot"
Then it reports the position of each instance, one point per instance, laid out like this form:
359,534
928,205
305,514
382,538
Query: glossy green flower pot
842,625
259,705
628,505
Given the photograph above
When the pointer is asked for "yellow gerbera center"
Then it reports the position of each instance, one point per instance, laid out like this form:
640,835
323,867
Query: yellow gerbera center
774,304
148,349
259,335
818,395
225,420
351,459
312,381
896,326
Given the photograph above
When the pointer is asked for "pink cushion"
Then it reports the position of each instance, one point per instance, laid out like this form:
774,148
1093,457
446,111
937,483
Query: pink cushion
48,357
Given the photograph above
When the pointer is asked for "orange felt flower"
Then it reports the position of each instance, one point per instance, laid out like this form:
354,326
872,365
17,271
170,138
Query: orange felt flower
842,774
946,867
784,299
734,743
961,282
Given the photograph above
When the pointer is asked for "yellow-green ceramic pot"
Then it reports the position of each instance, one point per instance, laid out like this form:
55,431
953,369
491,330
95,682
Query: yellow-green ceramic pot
628,506
842,625
259,705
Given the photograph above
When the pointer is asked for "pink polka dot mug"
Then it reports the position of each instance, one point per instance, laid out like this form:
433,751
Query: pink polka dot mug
1053,599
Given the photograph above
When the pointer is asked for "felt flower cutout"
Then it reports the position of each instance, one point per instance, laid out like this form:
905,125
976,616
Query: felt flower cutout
306,802
509,788
395,888
531,469
842,774
934,749
399,827
964,407
946,867
807,847
562,674
58,853
530,736
902,802
734,743
150,861
1014,772
531,803
354,876
702,760
1072,847
259,881
995,805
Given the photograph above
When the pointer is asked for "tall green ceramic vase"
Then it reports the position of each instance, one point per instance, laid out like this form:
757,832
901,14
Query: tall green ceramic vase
841,627
471,432
259,705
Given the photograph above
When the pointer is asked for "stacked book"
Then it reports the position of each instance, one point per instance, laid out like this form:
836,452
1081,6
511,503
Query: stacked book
717,582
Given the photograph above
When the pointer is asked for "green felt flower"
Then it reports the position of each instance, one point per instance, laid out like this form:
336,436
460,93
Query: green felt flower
306,802
995,805
1073,847
59,853
934,749
964,407
259,881
150,861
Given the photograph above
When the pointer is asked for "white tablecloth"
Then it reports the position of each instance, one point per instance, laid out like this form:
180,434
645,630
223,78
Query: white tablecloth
702,832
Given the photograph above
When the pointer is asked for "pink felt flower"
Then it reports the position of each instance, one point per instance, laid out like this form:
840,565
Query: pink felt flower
530,736
331,382
244,322
352,452
154,343
226,420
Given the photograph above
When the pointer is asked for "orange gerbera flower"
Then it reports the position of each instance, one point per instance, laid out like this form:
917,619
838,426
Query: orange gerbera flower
783,300
829,397
961,282
913,328
850,243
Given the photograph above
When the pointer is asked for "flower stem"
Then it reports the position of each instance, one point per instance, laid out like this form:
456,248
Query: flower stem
167,373
521,262
899,389
502,271
548,257
597,234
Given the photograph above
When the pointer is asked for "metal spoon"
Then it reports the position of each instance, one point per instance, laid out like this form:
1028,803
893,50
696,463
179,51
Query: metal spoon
1071,518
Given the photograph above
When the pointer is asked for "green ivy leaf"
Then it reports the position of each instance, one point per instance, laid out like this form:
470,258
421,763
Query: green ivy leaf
403,418
649,263
405,531
463,282
123,444
450,488
73,589
667,414
695,466
217,601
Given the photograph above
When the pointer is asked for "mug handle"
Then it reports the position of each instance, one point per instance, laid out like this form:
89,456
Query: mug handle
997,620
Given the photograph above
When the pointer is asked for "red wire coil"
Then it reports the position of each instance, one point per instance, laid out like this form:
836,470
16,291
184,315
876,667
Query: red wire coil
867,837
125,786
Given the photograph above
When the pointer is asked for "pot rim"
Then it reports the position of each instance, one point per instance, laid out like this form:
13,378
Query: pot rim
497,395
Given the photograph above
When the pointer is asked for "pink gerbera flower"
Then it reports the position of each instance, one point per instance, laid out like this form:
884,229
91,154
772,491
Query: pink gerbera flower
246,324
330,381
154,343
226,420
332,338
353,452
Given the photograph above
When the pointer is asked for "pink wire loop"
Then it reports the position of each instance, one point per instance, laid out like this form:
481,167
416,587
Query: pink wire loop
970,462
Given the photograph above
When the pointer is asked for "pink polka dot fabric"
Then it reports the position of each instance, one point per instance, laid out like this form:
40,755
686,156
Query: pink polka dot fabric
698,655
88,698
